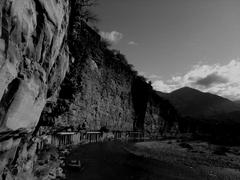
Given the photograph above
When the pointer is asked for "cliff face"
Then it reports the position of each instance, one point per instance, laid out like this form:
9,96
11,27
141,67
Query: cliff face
103,98
33,63
153,115
161,118
106,92
100,95
33,58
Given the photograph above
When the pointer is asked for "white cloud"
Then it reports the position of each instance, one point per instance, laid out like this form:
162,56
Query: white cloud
113,37
154,76
223,80
133,43
149,76
162,86
142,73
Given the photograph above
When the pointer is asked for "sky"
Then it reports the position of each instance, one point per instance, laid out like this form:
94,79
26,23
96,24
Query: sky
177,43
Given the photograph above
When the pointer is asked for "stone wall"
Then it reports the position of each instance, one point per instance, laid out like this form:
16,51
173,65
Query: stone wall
103,98
102,90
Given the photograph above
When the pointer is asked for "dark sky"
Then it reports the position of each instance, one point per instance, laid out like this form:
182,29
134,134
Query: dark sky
171,36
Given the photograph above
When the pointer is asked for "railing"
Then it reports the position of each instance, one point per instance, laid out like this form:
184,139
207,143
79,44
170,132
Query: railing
128,135
62,139
73,138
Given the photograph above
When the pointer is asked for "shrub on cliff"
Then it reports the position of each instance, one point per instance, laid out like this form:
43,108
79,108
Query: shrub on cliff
118,61
83,10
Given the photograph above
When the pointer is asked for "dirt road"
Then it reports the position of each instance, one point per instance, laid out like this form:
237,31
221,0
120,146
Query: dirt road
110,161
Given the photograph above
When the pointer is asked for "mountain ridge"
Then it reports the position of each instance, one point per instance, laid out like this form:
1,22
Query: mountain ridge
194,103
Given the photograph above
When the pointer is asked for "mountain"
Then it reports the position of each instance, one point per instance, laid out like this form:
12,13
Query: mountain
206,115
194,103
237,102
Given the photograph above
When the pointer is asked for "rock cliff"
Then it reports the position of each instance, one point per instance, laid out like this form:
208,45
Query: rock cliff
153,114
106,91
34,58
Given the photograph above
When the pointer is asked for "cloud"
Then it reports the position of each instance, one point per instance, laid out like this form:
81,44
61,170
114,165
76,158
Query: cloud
211,79
154,76
150,76
142,73
113,37
223,80
162,86
133,43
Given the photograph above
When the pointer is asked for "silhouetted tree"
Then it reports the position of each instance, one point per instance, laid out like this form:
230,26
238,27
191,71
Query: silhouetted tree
105,43
84,12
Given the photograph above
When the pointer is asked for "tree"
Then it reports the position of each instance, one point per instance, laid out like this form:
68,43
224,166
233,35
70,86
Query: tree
83,10
105,43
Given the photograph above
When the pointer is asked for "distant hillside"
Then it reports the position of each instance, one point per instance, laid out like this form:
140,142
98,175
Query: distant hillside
194,103
206,115
237,102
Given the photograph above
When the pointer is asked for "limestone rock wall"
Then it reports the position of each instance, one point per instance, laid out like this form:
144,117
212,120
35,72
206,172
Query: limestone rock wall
33,58
154,115
103,99
161,119
102,90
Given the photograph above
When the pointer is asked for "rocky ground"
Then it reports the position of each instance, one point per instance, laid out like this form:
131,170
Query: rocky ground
205,160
